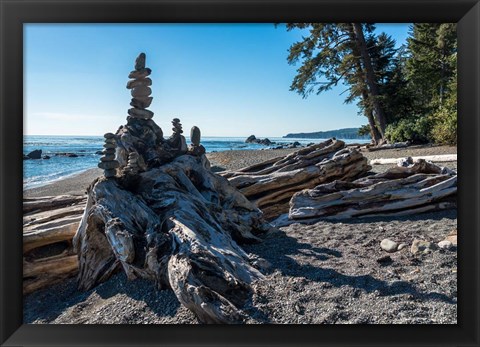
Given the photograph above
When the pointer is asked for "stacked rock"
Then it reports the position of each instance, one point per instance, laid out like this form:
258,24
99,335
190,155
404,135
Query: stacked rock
108,162
132,165
177,126
177,141
196,148
140,86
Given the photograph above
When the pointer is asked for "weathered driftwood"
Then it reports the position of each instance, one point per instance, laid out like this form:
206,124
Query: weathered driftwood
419,187
176,225
432,158
46,203
271,184
48,271
49,225
388,146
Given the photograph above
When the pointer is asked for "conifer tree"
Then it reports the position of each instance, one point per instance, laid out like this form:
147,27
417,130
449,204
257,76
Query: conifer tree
336,53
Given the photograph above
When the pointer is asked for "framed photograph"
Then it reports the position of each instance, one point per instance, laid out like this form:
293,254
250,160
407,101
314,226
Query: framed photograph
275,173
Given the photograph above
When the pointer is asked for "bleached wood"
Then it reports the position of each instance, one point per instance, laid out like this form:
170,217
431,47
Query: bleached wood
420,187
49,233
271,184
176,225
433,158
50,202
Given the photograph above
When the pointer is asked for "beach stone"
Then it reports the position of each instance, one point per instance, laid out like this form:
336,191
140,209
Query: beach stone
108,151
195,136
110,141
141,91
108,165
401,246
110,145
36,154
141,102
140,62
108,157
110,173
109,136
421,246
389,245
445,244
452,237
183,145
143,114
139,82
140,73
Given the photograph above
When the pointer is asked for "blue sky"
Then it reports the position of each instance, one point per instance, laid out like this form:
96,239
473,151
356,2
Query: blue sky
227,79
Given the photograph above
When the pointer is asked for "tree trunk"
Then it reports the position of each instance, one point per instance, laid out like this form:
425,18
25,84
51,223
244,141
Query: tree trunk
374,133
370,77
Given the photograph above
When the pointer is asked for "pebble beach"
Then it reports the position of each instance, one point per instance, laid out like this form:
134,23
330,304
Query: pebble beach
324,273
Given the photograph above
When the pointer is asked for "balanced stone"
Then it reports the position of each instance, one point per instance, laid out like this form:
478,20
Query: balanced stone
110,141
140,61
108,165
108,157
141,91
141,102
140,73
139,82
137,113
108,151
110,173
177,126
109,136
109,145
195,136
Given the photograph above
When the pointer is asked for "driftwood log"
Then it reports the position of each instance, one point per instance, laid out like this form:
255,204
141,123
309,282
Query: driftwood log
49,224
177,225
271,184
411,187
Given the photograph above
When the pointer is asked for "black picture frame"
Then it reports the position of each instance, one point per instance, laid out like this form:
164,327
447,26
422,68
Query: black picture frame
14,13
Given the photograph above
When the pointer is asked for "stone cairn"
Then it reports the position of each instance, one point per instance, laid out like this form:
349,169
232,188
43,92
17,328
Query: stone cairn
195,148
177,141
107,161
132,167
140,142
140,86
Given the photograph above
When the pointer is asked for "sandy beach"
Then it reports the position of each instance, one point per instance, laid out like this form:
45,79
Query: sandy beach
328,272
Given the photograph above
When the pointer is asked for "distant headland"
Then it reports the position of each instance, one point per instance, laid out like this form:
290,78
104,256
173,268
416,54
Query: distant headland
347,133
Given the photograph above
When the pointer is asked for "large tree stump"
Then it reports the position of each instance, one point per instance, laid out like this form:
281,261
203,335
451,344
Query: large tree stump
177,225
410,188
271,184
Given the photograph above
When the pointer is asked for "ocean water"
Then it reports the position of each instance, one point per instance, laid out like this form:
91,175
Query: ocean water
40,172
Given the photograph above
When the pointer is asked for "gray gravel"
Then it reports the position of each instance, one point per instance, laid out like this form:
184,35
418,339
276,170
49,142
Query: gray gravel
329,272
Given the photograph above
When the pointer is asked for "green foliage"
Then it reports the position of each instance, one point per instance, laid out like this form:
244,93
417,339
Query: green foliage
414,130
444,119
417,88
364,130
